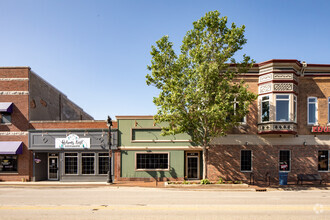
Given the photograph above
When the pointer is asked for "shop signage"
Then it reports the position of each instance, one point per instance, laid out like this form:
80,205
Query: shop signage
72,142
320,129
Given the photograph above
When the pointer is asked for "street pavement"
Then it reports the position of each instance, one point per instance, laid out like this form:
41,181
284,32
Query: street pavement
113,202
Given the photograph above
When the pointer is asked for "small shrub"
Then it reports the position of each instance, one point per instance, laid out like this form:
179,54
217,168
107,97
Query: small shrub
185,182
205,181
220,181
229,182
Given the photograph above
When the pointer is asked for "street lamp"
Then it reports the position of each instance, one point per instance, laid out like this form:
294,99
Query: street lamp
109,123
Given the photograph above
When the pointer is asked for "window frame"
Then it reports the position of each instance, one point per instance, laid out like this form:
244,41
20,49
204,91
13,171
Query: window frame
327,170
261,110
168,161
329,110
2,114
94,167
73,174
14,171
251,158
279,161
98,162
244,118
295,108
289,106
316,110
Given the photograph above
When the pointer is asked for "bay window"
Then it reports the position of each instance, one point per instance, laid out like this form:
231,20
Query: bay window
265,108
282,107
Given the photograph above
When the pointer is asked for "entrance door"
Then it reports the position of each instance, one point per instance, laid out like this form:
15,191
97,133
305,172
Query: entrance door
192,165
53,168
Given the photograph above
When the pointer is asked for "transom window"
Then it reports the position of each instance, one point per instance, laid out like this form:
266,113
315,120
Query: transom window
285,160
246,160
323,160
71,163
152,161
87,163
265,108
312,110
103,163
282,107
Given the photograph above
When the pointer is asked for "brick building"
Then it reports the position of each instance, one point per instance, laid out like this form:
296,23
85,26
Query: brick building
25,97
285,131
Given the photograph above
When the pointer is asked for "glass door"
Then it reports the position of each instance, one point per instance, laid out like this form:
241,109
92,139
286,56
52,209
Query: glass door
53,168
192,167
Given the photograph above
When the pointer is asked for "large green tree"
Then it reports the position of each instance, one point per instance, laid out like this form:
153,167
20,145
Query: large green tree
198,87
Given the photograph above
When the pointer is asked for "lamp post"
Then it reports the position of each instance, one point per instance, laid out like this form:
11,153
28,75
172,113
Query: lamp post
109,123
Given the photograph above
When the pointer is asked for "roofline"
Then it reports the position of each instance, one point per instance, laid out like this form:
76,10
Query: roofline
15,67
134,117
69,121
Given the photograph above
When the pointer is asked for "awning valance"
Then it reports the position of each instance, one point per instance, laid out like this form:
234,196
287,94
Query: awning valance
11,147
6,107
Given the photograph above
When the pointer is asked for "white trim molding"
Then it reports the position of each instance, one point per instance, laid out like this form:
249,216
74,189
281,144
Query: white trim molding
14,92
13,133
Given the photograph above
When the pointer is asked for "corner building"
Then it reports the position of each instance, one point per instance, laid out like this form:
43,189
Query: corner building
286,131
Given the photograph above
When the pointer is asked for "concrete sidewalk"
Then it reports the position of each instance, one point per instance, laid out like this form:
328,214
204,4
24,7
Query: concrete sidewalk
154,184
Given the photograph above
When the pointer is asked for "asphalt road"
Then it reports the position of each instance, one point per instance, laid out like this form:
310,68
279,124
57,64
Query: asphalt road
159,203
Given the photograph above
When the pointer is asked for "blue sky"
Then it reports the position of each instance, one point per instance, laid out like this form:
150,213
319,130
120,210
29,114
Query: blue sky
97,52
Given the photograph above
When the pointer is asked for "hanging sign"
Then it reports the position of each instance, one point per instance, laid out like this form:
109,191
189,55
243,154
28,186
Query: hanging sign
72,142
320,129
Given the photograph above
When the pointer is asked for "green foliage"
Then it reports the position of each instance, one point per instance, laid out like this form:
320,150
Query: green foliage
198,86
220,181
205,181
185,182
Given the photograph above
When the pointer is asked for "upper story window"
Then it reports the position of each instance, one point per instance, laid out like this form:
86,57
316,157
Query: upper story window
312,110
328,110
236,106
282,107
5,117
265,108
295,108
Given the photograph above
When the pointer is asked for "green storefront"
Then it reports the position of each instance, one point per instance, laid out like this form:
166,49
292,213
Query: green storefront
145,154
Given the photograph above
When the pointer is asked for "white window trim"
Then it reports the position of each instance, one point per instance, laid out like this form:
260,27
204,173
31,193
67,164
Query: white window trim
290,110
269,100
328,110
244,118
323,171
316,111
246,171
72,174
295,104
279,158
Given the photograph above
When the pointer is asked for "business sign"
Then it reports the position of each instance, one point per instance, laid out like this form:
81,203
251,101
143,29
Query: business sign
72,142
320,129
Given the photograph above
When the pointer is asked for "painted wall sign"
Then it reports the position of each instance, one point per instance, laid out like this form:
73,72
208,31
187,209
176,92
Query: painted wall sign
320,129
72,142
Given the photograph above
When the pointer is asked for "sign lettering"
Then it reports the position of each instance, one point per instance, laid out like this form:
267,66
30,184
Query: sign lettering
320,129
72,141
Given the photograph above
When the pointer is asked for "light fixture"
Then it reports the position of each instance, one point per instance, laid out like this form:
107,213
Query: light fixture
305,143
246,143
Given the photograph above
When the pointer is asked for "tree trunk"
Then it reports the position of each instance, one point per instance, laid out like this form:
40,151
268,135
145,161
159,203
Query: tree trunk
204,163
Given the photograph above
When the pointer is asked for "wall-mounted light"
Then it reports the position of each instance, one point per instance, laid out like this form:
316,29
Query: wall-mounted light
136,123
305,143
246,143
85,133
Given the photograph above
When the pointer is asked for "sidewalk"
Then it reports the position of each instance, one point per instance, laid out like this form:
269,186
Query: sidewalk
154,184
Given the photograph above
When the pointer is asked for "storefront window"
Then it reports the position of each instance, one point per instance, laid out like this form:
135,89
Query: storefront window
8,163
312,110
246,160
285,163
265,108
88,163
5,117
323,160
71,163
282,107
152,161
103,163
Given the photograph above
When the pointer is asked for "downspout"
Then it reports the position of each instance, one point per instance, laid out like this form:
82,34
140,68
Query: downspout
304,66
